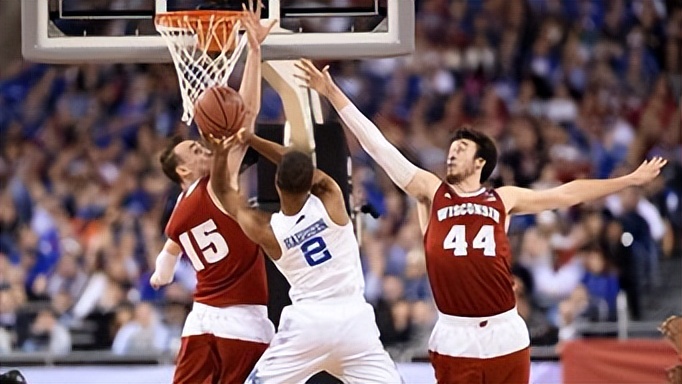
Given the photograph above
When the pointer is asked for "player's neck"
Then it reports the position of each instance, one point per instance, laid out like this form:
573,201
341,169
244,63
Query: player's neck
186,183
467,186
189,180
292,204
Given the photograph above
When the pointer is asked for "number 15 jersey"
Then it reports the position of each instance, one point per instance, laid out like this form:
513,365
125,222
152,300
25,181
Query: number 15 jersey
230,267
320,259
468,255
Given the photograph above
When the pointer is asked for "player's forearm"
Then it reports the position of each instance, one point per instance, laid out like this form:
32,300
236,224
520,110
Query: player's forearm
232,202
165,267
396,166
580,191
220,172
250,89
268,149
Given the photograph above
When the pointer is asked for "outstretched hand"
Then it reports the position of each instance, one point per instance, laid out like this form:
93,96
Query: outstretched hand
221,144
243,136
320,81
647,171
255,31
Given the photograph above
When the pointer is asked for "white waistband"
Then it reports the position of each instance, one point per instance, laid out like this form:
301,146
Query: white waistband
458,320
353,299
233,309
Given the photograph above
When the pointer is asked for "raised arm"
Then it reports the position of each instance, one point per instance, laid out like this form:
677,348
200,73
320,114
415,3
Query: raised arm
255,223
268,149
324,186
414,181
521,200
328,190
250,88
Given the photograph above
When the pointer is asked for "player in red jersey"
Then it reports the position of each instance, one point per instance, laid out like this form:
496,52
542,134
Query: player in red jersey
479,336
228,329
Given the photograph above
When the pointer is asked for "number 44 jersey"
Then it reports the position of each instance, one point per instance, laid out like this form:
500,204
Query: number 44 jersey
320,259
230,267
468,255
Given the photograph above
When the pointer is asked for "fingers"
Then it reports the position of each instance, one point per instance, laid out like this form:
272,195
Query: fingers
309,65
272,24
656,162
302,81
228,142
240,135
308,68
259,8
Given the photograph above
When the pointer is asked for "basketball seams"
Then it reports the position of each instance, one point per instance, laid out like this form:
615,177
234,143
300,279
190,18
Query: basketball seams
219,97
222,98
207,117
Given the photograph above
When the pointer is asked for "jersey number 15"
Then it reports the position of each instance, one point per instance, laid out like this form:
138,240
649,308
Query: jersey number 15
210,242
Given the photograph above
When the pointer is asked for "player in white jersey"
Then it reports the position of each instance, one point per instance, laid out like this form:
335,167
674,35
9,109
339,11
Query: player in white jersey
329,327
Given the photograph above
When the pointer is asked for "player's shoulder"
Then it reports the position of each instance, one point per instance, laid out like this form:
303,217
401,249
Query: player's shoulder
509,194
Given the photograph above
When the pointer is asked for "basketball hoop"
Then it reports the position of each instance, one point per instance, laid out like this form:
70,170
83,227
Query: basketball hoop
205,46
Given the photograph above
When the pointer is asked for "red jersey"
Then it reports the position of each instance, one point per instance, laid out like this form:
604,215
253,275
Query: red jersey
230,267
468,255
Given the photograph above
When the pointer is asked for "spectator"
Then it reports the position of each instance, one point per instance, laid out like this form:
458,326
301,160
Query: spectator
541,331
144,333
595,298
554,277
48,335
637,232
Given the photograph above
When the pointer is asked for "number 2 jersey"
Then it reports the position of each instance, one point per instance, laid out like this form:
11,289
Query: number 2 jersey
230,267
468,255
320,259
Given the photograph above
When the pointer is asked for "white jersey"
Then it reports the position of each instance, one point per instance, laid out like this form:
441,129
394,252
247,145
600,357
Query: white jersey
320,258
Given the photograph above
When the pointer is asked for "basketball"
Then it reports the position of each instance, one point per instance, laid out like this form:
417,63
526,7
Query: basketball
219,111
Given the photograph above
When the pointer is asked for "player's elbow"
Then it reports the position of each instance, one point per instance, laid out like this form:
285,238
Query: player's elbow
250,114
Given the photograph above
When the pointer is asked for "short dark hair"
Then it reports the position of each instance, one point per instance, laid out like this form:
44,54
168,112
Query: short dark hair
295,172
169,160
486,148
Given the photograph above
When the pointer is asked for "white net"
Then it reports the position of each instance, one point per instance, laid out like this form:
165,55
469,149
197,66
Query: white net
205,48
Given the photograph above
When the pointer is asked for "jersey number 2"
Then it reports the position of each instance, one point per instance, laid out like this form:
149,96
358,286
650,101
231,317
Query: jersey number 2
211,243
457,241
315,251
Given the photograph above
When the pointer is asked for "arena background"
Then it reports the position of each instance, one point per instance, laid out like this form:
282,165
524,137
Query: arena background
569,89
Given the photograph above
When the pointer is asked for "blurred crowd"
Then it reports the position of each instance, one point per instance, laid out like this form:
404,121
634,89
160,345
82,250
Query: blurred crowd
569,89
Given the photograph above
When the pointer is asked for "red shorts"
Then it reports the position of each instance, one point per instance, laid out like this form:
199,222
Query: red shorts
513,368
208,359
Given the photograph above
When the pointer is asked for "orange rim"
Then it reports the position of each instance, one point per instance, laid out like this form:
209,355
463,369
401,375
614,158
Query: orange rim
213,28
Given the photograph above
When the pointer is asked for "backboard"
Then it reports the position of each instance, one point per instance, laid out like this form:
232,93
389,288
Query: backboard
122,31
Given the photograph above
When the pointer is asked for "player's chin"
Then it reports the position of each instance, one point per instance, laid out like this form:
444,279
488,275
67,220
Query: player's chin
452,178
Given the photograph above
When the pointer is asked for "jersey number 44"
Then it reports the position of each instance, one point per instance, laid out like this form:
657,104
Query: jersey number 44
456,240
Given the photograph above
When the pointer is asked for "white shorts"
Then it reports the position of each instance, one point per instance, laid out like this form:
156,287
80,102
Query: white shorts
479,337
240,322
340,337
